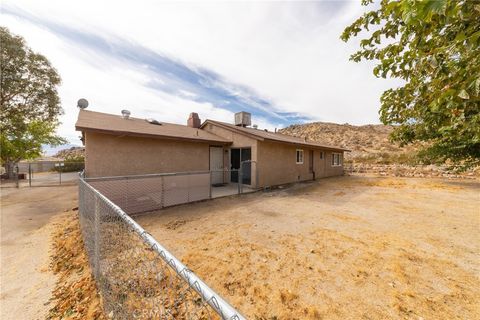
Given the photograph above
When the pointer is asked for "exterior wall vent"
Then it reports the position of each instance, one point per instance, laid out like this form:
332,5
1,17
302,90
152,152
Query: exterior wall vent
243,119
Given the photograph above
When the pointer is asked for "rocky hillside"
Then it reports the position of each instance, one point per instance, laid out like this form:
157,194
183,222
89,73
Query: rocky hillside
71,153
369,143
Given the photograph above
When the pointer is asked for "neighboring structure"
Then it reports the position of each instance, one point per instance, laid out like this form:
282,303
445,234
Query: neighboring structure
122,145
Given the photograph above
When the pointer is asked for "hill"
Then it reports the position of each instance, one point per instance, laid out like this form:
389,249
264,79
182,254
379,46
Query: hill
49,151
76,153
368,143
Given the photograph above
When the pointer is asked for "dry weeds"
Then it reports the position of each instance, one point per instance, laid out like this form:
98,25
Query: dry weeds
343,248
75,295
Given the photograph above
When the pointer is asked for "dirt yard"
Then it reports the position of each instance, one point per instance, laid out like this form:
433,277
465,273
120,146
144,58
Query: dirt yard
26,227
339,248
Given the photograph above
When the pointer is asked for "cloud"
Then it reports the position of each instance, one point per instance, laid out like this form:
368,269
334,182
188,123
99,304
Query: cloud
283,62
165,74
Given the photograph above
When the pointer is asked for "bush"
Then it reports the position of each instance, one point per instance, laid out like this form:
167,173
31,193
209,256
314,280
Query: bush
73,163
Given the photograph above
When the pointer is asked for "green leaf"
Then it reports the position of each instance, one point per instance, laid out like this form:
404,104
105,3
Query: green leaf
436,6
473,39
460,36
463,94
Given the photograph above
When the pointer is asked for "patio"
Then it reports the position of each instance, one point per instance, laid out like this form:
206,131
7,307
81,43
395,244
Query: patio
229,189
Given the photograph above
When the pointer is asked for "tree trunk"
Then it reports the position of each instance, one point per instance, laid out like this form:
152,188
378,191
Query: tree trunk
10,168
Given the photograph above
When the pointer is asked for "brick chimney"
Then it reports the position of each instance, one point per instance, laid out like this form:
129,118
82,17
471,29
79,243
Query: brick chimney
193,120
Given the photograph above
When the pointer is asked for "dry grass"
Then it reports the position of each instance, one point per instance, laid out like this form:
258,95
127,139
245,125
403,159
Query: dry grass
140,284
342,248
75,295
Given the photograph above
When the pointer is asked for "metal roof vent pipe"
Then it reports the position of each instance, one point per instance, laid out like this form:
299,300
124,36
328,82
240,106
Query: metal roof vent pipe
125,114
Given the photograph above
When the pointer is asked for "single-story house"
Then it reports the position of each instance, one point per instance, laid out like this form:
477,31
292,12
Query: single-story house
120,145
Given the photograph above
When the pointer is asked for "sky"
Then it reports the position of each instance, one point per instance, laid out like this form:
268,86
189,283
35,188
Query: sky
282,61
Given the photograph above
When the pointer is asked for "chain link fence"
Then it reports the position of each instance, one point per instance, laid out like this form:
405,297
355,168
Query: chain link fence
49,173
137,277
150,192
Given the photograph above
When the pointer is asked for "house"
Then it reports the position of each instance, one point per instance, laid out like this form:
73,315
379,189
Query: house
120,145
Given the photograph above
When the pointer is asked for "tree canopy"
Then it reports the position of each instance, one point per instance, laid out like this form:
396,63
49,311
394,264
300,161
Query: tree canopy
434,46
27,144
29,102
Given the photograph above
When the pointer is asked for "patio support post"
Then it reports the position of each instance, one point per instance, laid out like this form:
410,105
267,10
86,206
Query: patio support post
240,179
210,192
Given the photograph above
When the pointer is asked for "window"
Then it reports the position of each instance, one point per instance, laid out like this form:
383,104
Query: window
299,156
321,155
336,159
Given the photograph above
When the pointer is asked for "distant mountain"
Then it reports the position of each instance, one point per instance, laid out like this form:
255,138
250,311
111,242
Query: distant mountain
71,153
369,143
51,151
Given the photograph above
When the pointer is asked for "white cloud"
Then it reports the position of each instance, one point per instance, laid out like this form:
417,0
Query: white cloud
288,53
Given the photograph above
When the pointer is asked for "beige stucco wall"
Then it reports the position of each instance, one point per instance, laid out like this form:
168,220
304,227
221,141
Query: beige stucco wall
110,155
330,170
277,164
238,141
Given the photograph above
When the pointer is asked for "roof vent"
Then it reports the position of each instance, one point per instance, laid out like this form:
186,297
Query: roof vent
243,119
153,121
125,114
255,126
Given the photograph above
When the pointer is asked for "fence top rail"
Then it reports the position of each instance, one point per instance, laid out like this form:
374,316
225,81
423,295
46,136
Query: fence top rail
223,308
141,176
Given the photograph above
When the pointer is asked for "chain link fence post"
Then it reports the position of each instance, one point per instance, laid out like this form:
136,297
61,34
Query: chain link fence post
17,182
96,225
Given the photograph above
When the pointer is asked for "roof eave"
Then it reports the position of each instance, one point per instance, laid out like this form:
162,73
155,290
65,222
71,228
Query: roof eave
146,135
231,129
306,145
299,143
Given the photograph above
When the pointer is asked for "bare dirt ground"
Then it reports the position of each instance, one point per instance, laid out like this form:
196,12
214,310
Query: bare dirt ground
340,248
26,215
